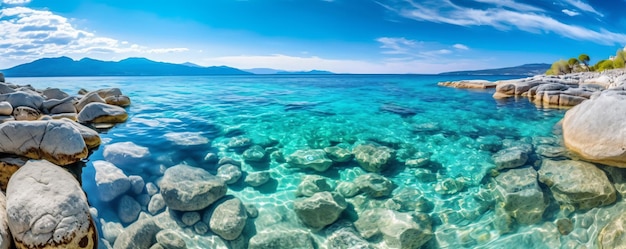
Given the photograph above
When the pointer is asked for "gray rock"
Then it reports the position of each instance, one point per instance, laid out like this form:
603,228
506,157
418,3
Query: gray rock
152,188
510,158
239,143
292,238
137,184
201,228
374,185
210,157
47,207
252,211
256,179
102,113
520,196
398,230
143,200
25,113
228,160
312,184
254,154
577,183
91,97
5,234
373,158
141,234
347,189
313,159
186,188
190,218
57,106
2,77
91,137
320,210
613,234
23,98
342,235
228,219
125,153
108,92
229,173
156,205
128,209
170,239
110,180
120,100
55,93
419,159
450,186
110,230
6,109
338,154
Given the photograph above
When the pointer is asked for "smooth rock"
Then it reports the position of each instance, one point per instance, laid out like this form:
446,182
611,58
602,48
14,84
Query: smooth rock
398,230
156,205
89,98
57,106
256,179
55,141
613,234
254,154
229,173
8,166
110,230
128,209
228,219
141,234
170,239
91,137
374,185
310,159
23,98
320,210
201,228
186,188
311,184
520,195
342,235
577,183
125,153
274,238
119,100
47,208
25,113
108,92
111,181
6,109
373,158
137,184
510,158
190,218
239,143
152,188
338,154
102,113
54,93
5,234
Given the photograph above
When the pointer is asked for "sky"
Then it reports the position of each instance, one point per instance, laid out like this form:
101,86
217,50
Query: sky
342,36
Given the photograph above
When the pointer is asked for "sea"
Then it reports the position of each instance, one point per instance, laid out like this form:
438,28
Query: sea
182,119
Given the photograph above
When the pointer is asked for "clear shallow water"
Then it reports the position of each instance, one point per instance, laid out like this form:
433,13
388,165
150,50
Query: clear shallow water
175,116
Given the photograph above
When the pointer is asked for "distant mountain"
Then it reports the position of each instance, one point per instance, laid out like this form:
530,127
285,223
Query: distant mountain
189,64
276,71
305,72
261,70
526,69
64,66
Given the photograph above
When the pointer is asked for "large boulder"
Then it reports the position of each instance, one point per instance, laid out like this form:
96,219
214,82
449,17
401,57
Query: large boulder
91,137
54,93
320,210
520,195
141,234
577,183
125,153
373,158
510,158
187,188
313,159
102,113
23,98
5,234
6,109
227,219
594,129
57,106
91,97
48,209
55,141
111,181
8,166
281,238
398,230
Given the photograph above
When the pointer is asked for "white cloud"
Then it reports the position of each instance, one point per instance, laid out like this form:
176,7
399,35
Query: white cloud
444,11
394,45
460,46
570,12
512,5
583,6
16,2
27,34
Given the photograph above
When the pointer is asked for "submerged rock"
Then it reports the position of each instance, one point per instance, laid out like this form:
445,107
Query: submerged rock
510,158
186,188
125,153
228,219
320,210
48,208
577,183
281,238
141,234
399,230
373,158
229,173
254,154
338,154
256,179
342,235
128,209
613,235
170,239
374,185
312,184
111,181
520,195
313,159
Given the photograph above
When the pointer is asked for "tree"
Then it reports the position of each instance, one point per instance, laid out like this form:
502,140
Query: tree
620,57
584,59
559,67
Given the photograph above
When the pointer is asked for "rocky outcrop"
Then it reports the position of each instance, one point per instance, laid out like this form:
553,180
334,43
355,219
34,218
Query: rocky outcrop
186,188
320,210
577,183
595,130
55,141
373,158
469,84
227,219
310,159
47,208
102,113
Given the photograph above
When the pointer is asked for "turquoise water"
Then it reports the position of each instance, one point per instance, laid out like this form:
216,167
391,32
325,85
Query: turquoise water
181,119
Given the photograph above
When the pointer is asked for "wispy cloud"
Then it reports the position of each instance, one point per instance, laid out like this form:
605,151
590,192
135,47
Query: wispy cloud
16,2
444,11
570,12
583,6
460,46
26,33
394,45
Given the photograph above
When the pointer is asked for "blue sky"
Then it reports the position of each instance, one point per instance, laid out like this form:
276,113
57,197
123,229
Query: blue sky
345,36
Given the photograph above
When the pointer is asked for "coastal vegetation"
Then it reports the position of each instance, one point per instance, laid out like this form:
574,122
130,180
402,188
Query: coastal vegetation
581,64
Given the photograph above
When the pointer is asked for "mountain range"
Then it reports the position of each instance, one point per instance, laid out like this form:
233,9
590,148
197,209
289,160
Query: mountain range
526,69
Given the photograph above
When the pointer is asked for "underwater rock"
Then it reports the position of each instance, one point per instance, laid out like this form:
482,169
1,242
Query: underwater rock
510,158
210,157
373,158
110,230
6,109
399,230
450,186
55,141
551,151
239,143
342,235
228,160
24,113
47,207
410,199
229,173
125,153
190,218
577,183
128,209
338,154
228,219
374,185
520,195
256,179
170,239
5,234
137,184
111,181
613,234
281,238
102,113
141,234
425,175
347,189
313,159
311,184
594,129
151,188
254,154
489,143
156,205
419,159
400,110
320,210
186,188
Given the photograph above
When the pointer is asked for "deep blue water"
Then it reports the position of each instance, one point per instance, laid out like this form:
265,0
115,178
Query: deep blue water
172,116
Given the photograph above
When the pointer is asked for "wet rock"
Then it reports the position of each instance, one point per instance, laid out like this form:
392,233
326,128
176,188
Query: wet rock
128,209
6,109
120,100
613,234
520,195
228,219
210,157
593,129
151,188
320,210
373,158
425,175
338,153
565,226
228,160
342,235
170,239
409,199
291,238
190,218
201,228
419,159
55,141
577,183
252,211
141,234
186,188
125,153
489,143
47,208
256,179
229,173
102,113
239,143
399,230
110,180
312,184
552,151
510,158
110,230
374,185
347,189
449,186
313,159
254,154
89,98
137,184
